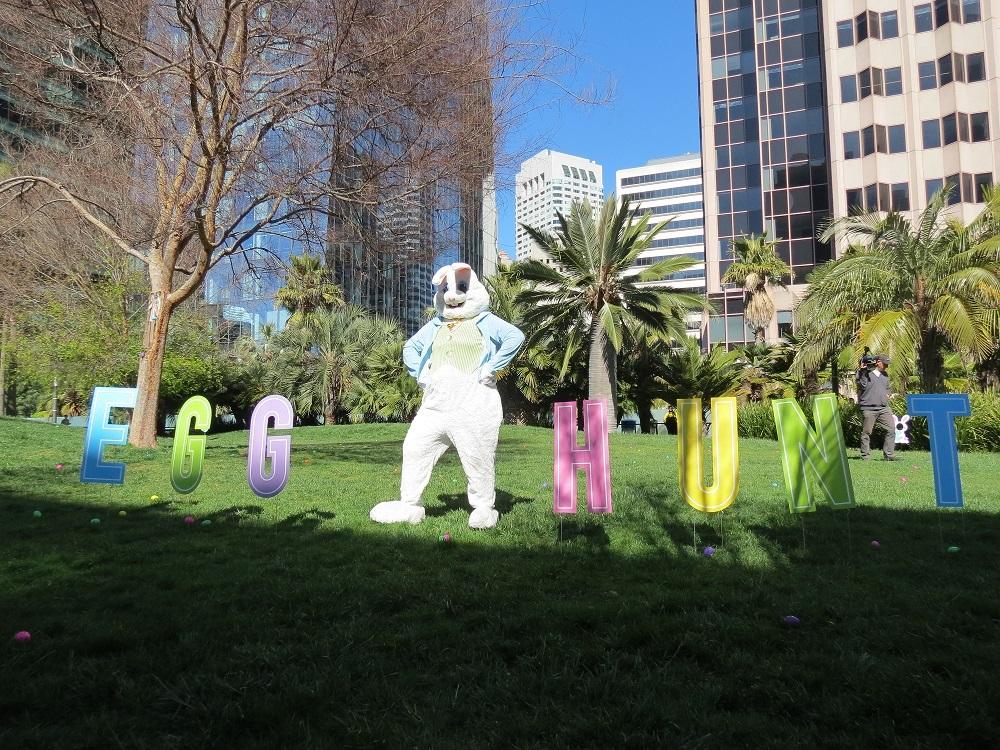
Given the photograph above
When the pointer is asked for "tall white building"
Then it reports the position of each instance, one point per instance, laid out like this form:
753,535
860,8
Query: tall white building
549,182
664,189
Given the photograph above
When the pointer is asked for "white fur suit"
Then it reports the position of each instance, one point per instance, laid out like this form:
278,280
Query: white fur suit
455,358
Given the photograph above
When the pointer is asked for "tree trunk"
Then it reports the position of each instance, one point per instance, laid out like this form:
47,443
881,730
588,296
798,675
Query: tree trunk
3,364
142,434
758,334
602,373
930,362
645,409
835,375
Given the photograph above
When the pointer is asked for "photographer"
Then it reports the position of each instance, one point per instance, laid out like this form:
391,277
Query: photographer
873,400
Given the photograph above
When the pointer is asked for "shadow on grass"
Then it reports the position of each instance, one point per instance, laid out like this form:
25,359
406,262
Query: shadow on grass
446,503
300,633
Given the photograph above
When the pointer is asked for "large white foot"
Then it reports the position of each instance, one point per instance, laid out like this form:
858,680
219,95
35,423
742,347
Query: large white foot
483,518
397,511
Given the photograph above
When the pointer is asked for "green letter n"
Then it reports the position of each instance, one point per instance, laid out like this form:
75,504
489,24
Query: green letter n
819,455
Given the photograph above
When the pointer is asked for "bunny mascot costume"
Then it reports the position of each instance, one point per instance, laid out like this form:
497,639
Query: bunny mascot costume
455,359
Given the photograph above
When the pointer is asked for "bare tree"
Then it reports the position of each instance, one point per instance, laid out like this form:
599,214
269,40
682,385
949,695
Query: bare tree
179,129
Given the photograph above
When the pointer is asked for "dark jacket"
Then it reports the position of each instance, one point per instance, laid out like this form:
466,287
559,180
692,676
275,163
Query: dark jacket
873,389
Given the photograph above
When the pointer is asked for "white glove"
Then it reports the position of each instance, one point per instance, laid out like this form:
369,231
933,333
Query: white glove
489,379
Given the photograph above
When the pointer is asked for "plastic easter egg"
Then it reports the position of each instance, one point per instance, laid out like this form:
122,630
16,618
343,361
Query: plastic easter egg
154,498
189,520
22,636
791,620
708,551
37,514
122,514
876,544
953,549
206,522
445,538
95,522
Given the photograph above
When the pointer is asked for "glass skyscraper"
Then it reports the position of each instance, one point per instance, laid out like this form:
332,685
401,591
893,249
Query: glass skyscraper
813,109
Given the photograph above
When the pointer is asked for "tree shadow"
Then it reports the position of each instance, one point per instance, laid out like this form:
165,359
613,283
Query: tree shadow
308,632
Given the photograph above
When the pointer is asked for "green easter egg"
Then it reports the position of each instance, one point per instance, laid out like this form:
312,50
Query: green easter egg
206,522
953,549
37,514
95,521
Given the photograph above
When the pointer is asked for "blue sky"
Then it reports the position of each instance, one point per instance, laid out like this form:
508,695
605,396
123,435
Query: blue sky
643,49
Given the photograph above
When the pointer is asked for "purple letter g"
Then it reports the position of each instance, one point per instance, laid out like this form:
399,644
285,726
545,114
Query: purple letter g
262,447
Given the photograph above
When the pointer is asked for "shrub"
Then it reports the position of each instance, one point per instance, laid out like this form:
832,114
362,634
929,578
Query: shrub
980,432
756,420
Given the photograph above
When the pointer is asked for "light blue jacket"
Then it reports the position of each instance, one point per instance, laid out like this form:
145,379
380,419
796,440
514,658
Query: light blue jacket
501,341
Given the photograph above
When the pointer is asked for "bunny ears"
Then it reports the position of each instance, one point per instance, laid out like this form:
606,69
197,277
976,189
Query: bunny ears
443,273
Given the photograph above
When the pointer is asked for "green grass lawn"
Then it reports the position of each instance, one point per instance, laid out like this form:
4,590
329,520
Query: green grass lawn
296,622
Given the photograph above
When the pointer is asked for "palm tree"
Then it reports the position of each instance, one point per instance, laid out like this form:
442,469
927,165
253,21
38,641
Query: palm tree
588,294
540,374
643,373
308,289
762,375
689,373
316,365
756,265
910,290
384,389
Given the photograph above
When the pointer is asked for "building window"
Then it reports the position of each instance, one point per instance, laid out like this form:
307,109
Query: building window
865,83
971,12
975,67
940,13
954,182
949,129
923,20
871,197
890,25
980,126
881,140
893,81
852,145
901,196
897,139
927,72
932,187
963,127
868,140
845,33
945,71
932,133
982,181
861,24
855,200
848,89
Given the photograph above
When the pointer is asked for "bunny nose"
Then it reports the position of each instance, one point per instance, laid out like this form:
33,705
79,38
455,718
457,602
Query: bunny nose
454,299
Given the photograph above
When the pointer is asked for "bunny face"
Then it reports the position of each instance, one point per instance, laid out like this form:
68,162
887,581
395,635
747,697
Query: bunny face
458,292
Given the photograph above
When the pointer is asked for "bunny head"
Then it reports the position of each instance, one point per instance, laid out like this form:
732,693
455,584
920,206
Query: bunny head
459,293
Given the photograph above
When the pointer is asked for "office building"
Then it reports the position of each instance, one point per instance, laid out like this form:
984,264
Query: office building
664,189
813,109
547,183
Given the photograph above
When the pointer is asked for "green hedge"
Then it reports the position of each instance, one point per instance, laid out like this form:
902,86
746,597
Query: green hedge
980,432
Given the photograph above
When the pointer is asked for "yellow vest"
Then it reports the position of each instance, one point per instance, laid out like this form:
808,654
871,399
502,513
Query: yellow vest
458,344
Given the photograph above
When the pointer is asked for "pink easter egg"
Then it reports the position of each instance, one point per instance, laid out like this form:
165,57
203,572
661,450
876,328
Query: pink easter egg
22,636
59,467
876,544
189,520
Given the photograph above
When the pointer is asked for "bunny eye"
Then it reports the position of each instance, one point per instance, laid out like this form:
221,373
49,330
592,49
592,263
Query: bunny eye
463,287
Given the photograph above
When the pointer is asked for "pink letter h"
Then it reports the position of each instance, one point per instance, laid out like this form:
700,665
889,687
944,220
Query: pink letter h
594,458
